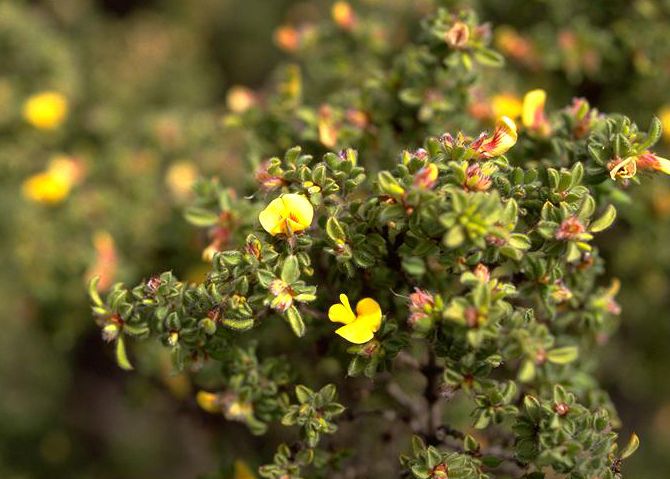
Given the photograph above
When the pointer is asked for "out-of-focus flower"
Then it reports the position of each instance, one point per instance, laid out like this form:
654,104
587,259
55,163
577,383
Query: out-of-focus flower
240,98
421,305
46,110
506,104
533,116
664,116
288,214
242,471
458,35
503,138
328,130
54,184
343,15
106,260
287,38
359,327
180,178
513,45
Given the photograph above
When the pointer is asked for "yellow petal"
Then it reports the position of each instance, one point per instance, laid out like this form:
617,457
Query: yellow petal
369,312
506,104
299,209
663,165
272,217
358,332
533,107
341,313
208,402
504,137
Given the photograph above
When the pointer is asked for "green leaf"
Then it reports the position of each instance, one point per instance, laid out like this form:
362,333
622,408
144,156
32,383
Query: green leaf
290,271
121,356
93,291
564,355
295,320
201,216
605,221
303,393
335,231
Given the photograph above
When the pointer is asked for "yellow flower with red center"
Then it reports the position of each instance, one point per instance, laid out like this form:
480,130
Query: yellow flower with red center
503,138
288,214
506,104
46,110
53,185
361,326
532,112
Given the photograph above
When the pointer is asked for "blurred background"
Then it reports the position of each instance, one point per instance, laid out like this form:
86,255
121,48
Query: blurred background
109,112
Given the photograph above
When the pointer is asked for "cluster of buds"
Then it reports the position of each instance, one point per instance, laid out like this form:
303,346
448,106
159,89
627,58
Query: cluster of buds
421,307
266,180
478,177
570,229
283,295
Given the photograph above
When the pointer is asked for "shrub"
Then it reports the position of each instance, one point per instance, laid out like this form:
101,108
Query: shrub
463,275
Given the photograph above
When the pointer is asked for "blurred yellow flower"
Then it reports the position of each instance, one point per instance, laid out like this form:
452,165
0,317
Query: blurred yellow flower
503,138
343,14
288,214
210,402
360,327
664,116
46,110
506,104
240,98
242,471
180,178
53,185
532,115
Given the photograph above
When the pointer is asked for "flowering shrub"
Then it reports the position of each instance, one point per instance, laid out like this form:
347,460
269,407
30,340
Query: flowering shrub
480,302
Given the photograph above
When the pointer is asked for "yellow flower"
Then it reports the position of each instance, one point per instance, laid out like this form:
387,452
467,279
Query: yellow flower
506,104
503,138
532,114
242,471
180,178
343,14
209,402
664,116
360,327
53,185
46,110
288,214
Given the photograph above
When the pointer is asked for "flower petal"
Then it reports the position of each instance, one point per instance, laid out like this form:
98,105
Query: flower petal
533,108
299,209
663,165
341,313
369,312
358,332
272,217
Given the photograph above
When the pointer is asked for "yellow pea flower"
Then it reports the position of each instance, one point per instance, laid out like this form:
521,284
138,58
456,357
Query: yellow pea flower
288,214
503,138
359,327
506,104
532,114
46,110
210,402
664,116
